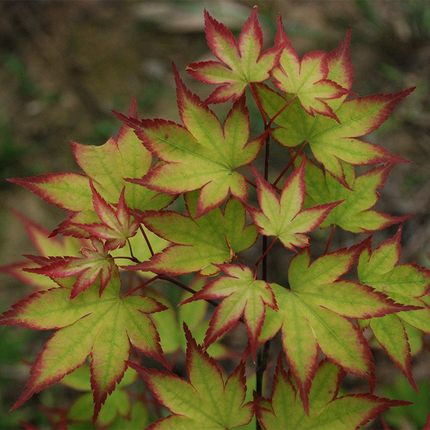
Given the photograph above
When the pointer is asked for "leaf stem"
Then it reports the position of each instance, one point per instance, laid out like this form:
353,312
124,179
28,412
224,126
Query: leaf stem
133,258
263,256
285,169
123,257
184,287
263,352
145,236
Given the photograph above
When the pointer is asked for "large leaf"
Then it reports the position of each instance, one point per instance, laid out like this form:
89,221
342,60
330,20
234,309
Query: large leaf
202,154
306,78
283,216
241,62
332,142
198,243
207,401
89,325
405,283
242,295
315,312
327,411
358,196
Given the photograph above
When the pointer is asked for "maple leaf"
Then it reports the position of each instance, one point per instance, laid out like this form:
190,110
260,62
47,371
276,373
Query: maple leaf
108,166
405,283
331,142
117,224
198,243
242,294
358,196
121,157
202,154
207,401
241,62
283,217
314,313
95,267
46,246
327,411
89,325
306,78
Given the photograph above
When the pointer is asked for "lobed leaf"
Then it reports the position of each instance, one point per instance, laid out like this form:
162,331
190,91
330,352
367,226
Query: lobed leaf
405,283
327,411
100,327
206,401
240,62
315,313
198,243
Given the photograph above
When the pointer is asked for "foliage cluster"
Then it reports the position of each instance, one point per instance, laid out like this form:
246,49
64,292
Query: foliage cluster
168,203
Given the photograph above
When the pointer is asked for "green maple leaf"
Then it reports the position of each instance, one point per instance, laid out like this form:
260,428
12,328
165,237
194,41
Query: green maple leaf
354,213
314,314
241,62
202,154
242,295
327,411
284,217
207,401
407,284
198,243
89,325
108,166
332,143
306,78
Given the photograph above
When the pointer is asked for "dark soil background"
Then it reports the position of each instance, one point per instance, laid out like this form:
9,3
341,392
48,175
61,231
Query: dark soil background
64,65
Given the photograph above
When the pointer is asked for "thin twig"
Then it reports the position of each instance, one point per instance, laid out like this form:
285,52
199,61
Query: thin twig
123,257
145,284
184,287
145,236
263,256
285,169
131,251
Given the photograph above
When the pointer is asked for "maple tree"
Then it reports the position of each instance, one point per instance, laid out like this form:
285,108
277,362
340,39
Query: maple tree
163,207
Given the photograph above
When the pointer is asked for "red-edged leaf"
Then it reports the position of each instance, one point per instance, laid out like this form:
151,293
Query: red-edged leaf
327,410
100,327
306,78
242,295
316,311
240,62
198,243
284,216
405,283
208,400
202,154
94,268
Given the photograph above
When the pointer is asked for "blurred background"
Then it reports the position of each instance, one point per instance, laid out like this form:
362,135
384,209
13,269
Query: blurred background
64,65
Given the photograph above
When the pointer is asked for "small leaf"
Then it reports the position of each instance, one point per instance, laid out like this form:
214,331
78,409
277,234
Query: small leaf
241,62
242,295
284,217
306,78
94,268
